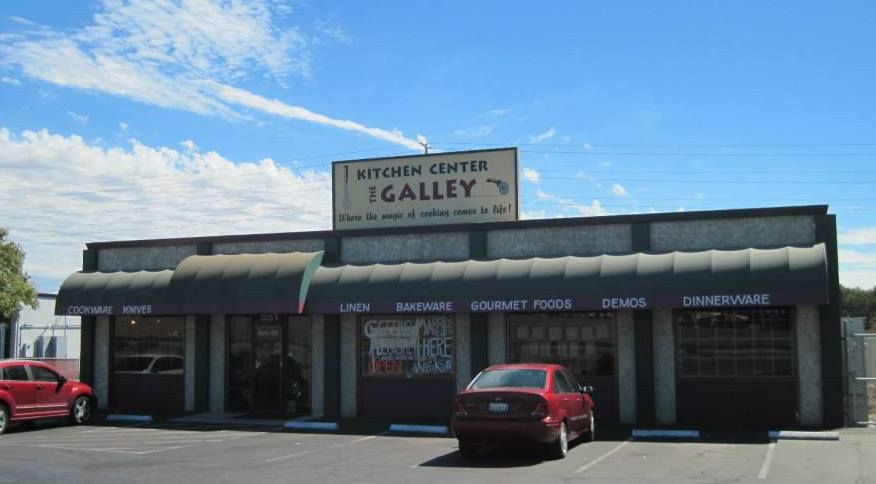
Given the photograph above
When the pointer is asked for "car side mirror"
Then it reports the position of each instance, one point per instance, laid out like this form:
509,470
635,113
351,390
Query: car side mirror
62,380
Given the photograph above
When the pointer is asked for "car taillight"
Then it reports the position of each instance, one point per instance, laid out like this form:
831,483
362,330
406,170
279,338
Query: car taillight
540,410
460,409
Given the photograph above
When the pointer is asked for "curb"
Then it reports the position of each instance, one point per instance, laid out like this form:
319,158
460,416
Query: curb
300,425
121,417
420,429
665,434
802,435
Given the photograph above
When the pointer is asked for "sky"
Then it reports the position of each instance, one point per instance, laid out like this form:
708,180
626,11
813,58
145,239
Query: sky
134,120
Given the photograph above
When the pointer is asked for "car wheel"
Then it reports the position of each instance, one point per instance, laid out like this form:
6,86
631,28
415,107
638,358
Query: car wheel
560,447
467,450
4,418
80,412
591,434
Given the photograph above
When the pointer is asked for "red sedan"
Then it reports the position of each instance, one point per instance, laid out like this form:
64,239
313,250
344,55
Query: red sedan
537,403
32,390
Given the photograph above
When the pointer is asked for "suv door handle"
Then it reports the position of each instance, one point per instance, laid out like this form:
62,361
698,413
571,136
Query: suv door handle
39,387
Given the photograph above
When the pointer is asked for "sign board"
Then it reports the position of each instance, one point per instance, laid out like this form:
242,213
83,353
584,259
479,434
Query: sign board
435,189
407,346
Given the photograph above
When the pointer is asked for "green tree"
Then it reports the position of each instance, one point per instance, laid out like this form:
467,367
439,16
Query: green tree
858,302
15,287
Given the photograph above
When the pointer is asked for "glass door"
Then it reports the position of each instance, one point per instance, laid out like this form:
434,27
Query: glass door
268,384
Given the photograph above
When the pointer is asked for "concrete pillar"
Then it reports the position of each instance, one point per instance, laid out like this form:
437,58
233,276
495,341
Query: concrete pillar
189,371
664,367
463,350
496,345
808,335
217,363
101,361
349,365
626,363
317,366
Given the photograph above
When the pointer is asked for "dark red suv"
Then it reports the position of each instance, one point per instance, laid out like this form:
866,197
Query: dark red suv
32,390
528,403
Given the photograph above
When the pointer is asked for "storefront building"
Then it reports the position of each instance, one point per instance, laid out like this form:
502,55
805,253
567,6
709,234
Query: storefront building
695,318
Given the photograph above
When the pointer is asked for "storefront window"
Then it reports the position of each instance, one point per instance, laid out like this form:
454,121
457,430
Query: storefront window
148,363
582,342
732,343
298,366
407,346
149,346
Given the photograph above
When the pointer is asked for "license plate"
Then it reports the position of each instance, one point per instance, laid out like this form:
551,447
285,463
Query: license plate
498,407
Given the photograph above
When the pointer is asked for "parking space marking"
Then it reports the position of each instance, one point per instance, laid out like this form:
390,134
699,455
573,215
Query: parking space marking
298,454
767,460
603,457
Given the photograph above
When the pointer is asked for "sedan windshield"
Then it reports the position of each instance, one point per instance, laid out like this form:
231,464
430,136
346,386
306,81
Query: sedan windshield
510,378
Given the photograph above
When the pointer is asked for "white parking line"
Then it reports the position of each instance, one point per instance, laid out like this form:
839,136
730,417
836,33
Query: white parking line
767,460
298,454
602,457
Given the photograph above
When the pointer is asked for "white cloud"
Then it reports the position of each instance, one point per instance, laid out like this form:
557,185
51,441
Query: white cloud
189,145
61,191
79,118
333,31
864,279
619,190
531,175
178,55
495,113
593,209
10,80
857,268
276,107
21,20
604,164
543,136
123,127
863,236
475,132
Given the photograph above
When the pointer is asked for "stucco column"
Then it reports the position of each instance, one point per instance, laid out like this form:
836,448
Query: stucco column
626,362
664,367
317,366
189,372
808,334
463,350
101,361
349,365
217,363
496,344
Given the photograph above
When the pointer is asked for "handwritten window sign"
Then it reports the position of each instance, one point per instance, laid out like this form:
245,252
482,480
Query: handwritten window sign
437,189
407,346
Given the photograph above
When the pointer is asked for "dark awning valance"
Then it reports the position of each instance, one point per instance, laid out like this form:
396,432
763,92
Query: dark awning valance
243,283
750,277
227,284
114,293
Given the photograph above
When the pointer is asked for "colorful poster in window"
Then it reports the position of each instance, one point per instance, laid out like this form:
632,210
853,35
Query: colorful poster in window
407,346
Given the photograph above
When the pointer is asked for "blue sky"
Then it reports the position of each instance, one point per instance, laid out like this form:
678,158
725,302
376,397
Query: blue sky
171,119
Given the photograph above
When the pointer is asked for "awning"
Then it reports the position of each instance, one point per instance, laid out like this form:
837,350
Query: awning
113,293
227,284
242,283
749,277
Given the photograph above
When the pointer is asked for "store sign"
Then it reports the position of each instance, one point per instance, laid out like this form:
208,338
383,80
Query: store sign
437,189
408,346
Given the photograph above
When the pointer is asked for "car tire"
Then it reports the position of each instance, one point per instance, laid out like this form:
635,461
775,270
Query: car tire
80,412
467,450
560,447
4,418
590,436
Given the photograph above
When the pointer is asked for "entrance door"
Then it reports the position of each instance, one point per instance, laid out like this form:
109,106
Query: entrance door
268,391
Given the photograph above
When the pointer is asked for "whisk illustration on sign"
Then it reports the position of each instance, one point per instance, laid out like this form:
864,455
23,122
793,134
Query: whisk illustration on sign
346,187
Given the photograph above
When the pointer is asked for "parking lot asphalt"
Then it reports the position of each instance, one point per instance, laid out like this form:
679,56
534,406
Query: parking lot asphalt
55,453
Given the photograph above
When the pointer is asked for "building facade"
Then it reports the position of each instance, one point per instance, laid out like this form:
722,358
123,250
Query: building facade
699,318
